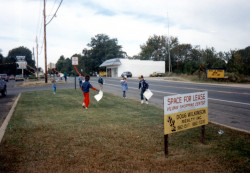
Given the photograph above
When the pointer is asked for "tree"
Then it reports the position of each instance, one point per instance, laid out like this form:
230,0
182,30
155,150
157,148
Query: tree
182,54
1,62
156,48
11,58
60,63
240,61
102,48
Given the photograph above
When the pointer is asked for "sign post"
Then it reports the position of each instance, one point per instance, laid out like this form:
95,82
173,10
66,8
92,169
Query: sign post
21,63
75,62
185,111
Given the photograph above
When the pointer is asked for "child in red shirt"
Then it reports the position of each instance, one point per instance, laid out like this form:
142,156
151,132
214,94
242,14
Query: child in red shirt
85,88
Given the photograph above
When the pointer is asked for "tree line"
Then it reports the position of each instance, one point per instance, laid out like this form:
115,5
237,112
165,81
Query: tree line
9,66
184,58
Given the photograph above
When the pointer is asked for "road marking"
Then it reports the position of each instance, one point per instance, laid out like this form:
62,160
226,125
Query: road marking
229,101
227,92
177,93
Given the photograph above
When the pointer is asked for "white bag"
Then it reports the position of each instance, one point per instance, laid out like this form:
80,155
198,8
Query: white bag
148,94
98,96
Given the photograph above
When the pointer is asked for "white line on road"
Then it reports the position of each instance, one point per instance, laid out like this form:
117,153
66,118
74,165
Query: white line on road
177,93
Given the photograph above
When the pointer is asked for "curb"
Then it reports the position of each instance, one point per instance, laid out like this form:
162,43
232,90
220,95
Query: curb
7,119
229,127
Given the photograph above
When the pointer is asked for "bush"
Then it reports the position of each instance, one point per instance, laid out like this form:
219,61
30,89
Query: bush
236,77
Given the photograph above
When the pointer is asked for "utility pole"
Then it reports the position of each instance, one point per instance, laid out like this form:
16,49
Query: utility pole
45,45
33,55
169,60
36,58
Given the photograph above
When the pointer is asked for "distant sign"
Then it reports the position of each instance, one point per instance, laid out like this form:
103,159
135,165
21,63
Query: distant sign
215,73
22,65
74,60
20,58
185,111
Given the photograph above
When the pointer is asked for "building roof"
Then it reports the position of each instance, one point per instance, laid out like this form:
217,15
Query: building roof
111,62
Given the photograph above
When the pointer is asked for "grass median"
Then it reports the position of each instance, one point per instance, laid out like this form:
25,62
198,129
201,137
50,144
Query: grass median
53,133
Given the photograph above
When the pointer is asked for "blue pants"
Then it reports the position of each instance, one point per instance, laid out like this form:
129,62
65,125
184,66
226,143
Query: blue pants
54,89
142,91
124,93
80,84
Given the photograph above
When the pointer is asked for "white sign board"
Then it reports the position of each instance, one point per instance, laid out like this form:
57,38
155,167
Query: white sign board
22,65
185,111
20,58
74,60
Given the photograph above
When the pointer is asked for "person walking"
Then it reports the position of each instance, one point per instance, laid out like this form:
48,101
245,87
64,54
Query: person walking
85,88
80,80
143,86
100,81
54,85
65,76
124,85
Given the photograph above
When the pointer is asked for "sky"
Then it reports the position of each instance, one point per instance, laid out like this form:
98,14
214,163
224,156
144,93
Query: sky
222,24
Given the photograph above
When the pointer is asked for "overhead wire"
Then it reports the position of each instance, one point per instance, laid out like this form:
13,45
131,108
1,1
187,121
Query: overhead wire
52,8
55,12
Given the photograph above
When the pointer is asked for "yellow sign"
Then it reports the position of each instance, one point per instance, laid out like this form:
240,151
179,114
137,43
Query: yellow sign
102,73
185,120
215,73
185,111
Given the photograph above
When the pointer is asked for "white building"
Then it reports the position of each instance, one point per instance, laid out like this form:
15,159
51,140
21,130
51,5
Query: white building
115,67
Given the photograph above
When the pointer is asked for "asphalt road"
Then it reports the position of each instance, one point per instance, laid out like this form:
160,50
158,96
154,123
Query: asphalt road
227,105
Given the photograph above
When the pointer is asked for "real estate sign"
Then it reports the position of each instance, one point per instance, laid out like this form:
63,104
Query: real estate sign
185,111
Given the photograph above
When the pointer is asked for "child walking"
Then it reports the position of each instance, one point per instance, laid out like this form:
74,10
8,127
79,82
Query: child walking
124,85
85,88
100,81
143,86
54,85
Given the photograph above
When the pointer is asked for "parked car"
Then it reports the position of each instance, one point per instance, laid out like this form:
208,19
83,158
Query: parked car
127,73
19,77
3,87
4,77
12,77
156,74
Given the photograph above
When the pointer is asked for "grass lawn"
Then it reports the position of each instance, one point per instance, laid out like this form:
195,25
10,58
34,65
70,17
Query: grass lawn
53,133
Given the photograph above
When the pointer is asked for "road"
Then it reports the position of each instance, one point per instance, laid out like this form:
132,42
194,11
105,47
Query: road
227,105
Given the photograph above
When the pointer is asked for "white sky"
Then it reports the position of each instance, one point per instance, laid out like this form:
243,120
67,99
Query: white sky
222,24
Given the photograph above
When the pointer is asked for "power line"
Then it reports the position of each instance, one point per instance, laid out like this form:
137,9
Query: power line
55,12
52,8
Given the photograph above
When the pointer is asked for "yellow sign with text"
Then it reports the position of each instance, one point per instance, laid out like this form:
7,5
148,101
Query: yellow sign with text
215,73
185,120
102,73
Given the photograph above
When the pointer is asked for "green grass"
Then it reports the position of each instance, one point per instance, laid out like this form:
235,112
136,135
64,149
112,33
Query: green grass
53,133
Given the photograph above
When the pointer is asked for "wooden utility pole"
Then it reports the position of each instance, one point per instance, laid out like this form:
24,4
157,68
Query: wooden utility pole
45,45
169,60
36,58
